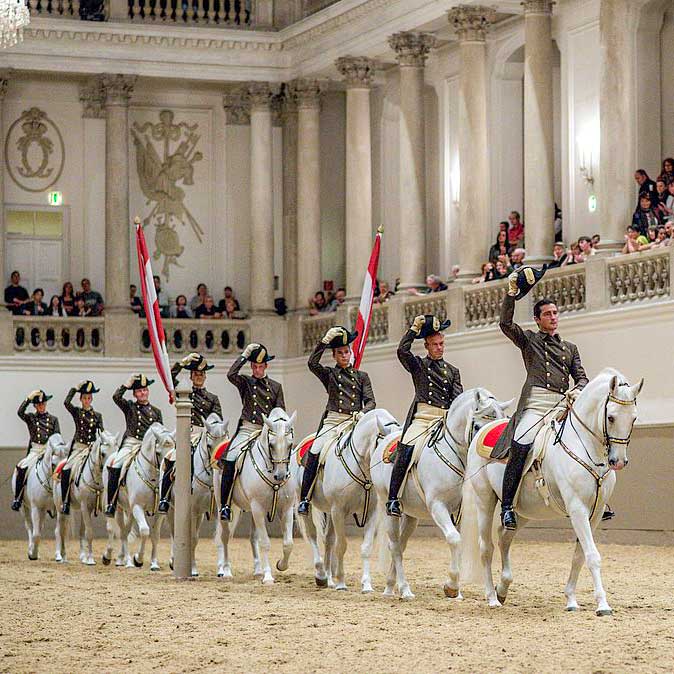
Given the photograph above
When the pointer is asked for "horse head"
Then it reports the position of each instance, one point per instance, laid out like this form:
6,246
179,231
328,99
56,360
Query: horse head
470,411
158,440
216,428
278,437
57,449
386,423
108,443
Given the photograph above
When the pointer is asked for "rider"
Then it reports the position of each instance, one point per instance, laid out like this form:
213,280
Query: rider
259,396
350,395
41,425
139,415
204,403
549,361
436,384
87,423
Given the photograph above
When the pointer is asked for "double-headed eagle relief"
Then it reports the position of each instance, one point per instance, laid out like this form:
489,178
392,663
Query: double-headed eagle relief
159,175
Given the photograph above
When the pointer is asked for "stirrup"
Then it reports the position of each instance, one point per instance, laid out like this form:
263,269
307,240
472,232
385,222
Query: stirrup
110,510
226,513
304,507
16,504
65,508
608,514
394,508
509,519
163,506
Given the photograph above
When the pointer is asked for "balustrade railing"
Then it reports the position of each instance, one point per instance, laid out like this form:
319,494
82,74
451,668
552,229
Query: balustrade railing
378,333
67,9
565,286
639,277
482,303
433,303
213,337
228,13
58,335
313,329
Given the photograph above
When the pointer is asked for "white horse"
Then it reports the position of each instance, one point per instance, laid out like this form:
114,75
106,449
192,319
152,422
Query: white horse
38,494
580,473
265,487
433,487
136,498
344,488
85,496
202,484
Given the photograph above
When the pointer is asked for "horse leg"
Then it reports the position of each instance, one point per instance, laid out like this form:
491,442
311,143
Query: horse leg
366,551
60,537
486,503
196,525
282,564
402,529
263,542
155,532
339,549
442,517
36,519
88,534
330,551
29,530
506,537
311,534
570,589
224,565
583,529
138,513
255,548
124,523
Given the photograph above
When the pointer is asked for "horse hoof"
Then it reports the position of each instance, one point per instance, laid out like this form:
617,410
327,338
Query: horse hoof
280,566
136,563
154,567
571,608
268,581
367,590
341,588
501,598
388,592
321,582
171,565
407,597
450,592
604,611
258,576
106,560
90,562
32,558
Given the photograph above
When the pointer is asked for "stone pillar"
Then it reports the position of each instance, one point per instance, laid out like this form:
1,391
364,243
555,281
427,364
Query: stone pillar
121,325
471,25
4,83
261,199
539,194
358,73
182,546
309,276
289,123
411,52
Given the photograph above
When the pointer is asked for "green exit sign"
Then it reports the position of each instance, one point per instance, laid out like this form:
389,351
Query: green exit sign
55,198
592,203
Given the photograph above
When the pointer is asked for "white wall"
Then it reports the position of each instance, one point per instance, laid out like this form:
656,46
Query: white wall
667,78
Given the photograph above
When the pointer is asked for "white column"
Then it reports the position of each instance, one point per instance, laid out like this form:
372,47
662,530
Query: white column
309,277
411,52
182,553
261,199
471,25
289,121
358,73
4,83
539,195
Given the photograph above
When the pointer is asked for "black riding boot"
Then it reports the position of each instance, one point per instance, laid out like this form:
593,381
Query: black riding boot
228,472
166,485
113,484
608,513
308,480
18,488
65,491
511,481
402,463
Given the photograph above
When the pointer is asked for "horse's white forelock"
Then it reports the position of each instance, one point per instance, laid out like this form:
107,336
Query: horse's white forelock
278,414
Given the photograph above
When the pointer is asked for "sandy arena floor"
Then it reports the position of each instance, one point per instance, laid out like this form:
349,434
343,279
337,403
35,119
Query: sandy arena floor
72,618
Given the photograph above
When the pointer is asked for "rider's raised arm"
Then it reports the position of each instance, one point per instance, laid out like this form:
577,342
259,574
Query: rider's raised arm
233,375
314,363
409,361
119,399
577,370
369,403
68,402
175,371
508,327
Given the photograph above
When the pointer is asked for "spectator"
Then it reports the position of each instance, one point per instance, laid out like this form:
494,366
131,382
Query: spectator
596,240
68,298
229,295
15,294
229,308
575,256
634,240
660,191
501,247
207,309
338,300
55,307
516,231
134,301
668,210
81,308
498,272
35,307
202,291
559,256
318,304
181,310
162,298
517,258
385,294
585,245
434,284
646,185
645,216
484,270
92,299
667,172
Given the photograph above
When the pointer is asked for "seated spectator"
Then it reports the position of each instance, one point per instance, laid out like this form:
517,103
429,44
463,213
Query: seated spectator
585,246
516,231
36,307
318,304
559,256
646,185
596,240
667,206
661,192
645,216
230,309
202,291
135,301
207,309
501,247
484,270
338,299
229,295
180,309
15,294
92,299
385,294
68,298
55,307
517,258
162,298
633,240
498,272
434,284
667,173
575,256
81,309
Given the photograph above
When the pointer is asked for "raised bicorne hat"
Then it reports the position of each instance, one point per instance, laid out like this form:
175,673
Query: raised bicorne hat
199,365
343,339
88,387
260,355
527,278
432,325
40,397
141,381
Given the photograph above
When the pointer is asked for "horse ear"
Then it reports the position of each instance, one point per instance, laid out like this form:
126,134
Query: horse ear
637,389
613,385
506,404
291,421
478,399
267,423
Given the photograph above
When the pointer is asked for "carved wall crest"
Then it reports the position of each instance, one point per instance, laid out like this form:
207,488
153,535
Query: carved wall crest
165,156
34,151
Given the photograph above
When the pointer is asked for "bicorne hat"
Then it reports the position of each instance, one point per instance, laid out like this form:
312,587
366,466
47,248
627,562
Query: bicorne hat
432,325
260,355
527,278
344,338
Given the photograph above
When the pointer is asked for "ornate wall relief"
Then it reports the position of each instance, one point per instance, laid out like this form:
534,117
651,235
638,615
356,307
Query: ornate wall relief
34,151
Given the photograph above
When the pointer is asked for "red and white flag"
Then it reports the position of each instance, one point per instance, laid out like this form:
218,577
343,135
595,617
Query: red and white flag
366,301
151,306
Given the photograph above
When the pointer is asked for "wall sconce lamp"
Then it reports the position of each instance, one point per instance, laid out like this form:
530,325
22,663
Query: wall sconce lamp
585,169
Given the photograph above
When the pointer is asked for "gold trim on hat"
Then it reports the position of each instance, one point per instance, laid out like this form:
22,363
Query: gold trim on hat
529,275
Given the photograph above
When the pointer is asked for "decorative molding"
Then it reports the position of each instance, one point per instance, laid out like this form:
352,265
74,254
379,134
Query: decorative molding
358,71
237,106
471,22
412,48
5,76
288,105
538,6
118,89
307,93
260,95
92,97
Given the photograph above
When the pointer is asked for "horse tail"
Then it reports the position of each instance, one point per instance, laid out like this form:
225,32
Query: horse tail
470,539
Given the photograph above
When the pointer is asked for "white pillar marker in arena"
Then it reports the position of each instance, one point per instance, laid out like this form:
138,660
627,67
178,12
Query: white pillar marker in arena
182,542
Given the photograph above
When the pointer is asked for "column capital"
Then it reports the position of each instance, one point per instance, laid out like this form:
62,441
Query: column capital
5,76
92,97
237,106
288,104
412,48
307,93
538,6
357,71
471,23
260,95
118,89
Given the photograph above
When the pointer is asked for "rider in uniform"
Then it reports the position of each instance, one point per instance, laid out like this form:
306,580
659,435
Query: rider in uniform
259,396
204,403
350,395
87,422
41,425
436,384
549,362
139,415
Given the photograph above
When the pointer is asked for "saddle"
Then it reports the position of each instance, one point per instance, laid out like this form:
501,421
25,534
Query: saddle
303,449
389,453
219,451
59,469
